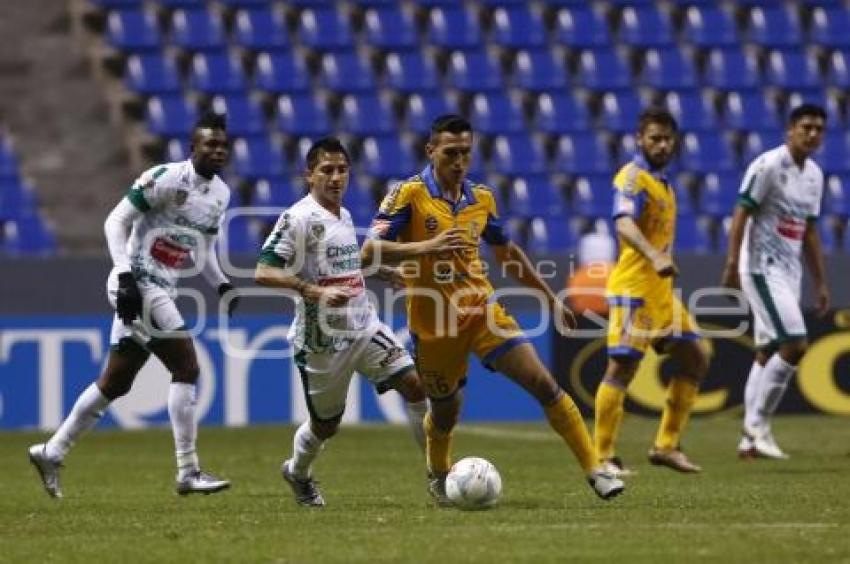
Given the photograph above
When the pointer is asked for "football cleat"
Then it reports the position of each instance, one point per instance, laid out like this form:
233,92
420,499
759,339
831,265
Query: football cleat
200,482
763,443
437,489
306,490
605,484
673,458
615,467
47,469
746,448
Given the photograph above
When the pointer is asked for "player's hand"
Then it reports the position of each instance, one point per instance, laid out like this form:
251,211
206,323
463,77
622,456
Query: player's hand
333,296
128,303
565,319
822,300
663,265
229,290
453,239
392,276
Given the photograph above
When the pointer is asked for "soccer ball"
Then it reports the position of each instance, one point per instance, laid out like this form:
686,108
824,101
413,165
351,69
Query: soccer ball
473,483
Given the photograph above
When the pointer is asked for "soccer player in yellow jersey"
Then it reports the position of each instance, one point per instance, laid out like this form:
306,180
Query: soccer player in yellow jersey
643,309
450,313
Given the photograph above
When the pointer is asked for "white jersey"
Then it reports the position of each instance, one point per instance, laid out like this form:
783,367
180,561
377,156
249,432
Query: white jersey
783,199
321,248
182,208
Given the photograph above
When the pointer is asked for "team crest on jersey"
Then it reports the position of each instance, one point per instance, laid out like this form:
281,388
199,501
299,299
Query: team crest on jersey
318,230
180,197
431,223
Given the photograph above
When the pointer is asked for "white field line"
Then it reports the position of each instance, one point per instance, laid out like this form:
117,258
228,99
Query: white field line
683,526
502,433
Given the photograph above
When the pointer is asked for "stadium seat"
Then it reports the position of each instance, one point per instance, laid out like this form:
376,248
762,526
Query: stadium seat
560,112
750,111
411,71
28,235
244,114
453,28
518,154
217,73
367,114
691,237
774,27
757,142
535,196
242,235
540,70
390,27
494,113
474,71
260,28
387,156
420,110
706,152
685,207
836,195
732,69
829,240
620,111
175,4
603,69
197,30
582,154
171,116
546,235
693,110
835,153
346,72
839,69
792,70
151,74
644,26
593,196
718,194
116,4
244,3
258,157
830,103
177,149
517,27
580,27
829,27
274,192
325,29
709,26
17,199
8,161
133,30
360,202
281,72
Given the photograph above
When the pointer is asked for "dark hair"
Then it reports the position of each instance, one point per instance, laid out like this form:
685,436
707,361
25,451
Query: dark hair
212,120
450,123
328,145
804,110
658,115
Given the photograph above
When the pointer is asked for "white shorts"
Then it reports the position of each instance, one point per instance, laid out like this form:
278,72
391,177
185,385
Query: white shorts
379,356
775,302
159,314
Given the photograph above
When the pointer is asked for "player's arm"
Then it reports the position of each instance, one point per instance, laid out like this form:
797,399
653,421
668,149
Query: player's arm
382,251
117,228
661,261
272,276
813,252
730,277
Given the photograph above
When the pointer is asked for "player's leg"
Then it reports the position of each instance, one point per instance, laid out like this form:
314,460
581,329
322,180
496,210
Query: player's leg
752,390
124,362
609,410
778,371
297,471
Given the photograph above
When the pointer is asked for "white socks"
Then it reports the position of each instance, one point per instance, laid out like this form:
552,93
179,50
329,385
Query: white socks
416,419
306,447
751,396
775,377
181,409
86,412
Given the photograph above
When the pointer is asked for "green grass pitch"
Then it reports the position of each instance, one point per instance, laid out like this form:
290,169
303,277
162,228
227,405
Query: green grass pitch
119,504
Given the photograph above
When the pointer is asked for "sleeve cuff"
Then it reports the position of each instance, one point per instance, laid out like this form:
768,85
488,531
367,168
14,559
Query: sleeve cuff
138,200
270,258
745,201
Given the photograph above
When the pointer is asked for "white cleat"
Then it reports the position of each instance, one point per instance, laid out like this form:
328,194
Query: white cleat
200,482
764,444
746,448
615,467
47,469
605,484
305,490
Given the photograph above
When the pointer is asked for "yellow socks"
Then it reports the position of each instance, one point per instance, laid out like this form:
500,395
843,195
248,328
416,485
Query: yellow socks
566,419
681,395
438,447
609,415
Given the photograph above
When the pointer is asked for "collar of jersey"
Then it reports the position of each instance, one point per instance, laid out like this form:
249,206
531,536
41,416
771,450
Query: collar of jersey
323,209
660,174
467,197
195,179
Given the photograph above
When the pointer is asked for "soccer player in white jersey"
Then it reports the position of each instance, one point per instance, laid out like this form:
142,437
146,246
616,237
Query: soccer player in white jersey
171,214
775,220
313,253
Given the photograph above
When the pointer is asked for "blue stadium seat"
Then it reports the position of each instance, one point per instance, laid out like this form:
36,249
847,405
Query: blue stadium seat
422,108
757,142
346,72
260,28
374,3
750,111
829,27
719,193
832,105
732,69
540,70
274,192
694,110
217,73
517,27
171,116
197,30
829,240
685,206
175,4
152,73
28,236
177,149
258,157
706,152
709,26
561,112
242,235
325,29
547,236
793,70
494,113
474,71
8,160
774,27
500,3
535,196
579,27
839,69
644,27
692,237
411,71
582,154
118,4
835,154
245,3
281,72
603,69
17,199
593,195
454,28
360,202
517,154
668,69
133,30
390,28
367,114
244,114
836,196
306,4
620,111
387,156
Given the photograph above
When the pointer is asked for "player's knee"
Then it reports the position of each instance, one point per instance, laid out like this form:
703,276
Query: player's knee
411,388
793,351
113,388
187,373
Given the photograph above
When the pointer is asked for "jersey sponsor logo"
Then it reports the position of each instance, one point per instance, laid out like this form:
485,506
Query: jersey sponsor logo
791,228
318,230
168,252
354,283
